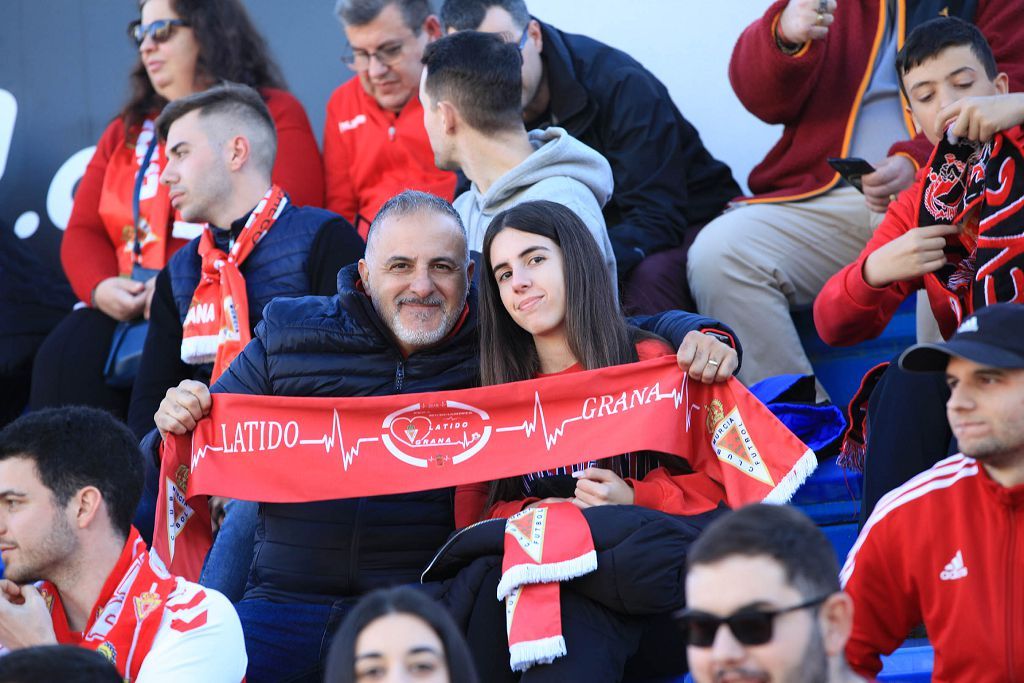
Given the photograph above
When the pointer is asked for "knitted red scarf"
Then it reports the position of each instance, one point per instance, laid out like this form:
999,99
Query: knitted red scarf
283,449
124,636
216,326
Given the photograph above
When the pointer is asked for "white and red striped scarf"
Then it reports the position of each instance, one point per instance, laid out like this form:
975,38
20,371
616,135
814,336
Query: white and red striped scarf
126,618
216,326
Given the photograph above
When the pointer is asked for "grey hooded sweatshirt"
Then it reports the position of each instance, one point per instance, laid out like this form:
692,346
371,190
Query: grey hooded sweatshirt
562,169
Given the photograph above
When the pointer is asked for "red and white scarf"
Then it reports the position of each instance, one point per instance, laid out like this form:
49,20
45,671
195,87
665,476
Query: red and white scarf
216,326
543,546
278,449
126,618
155,213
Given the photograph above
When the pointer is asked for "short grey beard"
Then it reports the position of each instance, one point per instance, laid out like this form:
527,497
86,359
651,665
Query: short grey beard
419,338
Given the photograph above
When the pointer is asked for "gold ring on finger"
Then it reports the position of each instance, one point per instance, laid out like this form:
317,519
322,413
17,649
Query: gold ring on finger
821,19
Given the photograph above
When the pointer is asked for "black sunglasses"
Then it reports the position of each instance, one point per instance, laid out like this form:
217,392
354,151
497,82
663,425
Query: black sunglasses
160,30
749,626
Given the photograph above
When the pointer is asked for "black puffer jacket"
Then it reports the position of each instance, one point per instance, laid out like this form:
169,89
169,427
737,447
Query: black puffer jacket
665,179
338,346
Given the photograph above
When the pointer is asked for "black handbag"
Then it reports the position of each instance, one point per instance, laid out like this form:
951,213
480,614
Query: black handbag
130,335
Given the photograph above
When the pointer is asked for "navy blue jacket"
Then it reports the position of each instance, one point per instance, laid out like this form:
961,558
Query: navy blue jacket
300,255
338,346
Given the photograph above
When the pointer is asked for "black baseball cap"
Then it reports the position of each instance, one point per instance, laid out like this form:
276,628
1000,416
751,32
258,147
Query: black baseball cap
993,336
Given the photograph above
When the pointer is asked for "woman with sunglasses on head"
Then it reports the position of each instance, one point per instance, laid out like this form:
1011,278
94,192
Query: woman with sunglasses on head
399,634
547,308
122,228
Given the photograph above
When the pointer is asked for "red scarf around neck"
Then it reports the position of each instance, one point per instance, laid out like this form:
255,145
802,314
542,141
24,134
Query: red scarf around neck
216,326
277,449
126,617
156,216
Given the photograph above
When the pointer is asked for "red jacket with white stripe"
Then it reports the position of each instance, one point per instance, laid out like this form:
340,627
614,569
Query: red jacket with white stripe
945,549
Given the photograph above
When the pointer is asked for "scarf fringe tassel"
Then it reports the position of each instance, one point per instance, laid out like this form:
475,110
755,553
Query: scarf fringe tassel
541,651
522,574
199,350
785,489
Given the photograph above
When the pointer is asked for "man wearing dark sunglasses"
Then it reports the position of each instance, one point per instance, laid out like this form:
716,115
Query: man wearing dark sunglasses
764,603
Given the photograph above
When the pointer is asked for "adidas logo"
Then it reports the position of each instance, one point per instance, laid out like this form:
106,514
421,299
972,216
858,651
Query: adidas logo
955,569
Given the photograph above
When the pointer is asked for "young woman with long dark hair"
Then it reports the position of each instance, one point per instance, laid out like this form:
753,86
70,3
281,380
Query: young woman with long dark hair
547,307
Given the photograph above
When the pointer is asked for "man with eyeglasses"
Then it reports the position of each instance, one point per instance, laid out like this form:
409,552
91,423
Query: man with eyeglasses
764,602
667,184
374,142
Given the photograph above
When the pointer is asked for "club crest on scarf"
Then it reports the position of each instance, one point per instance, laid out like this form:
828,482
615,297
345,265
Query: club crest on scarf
146,603
979,187
438,434
527,527
178,510
733,444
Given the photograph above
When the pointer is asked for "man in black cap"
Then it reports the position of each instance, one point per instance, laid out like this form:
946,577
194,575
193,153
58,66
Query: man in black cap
946,548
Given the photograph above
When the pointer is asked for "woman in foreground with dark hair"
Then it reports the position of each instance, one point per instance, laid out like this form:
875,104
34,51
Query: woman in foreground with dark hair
123,228
399,634
547,308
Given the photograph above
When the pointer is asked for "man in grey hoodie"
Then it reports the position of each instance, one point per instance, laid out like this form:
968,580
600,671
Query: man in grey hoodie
472,110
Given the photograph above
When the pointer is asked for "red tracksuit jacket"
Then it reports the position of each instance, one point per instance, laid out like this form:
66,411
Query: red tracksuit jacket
946,549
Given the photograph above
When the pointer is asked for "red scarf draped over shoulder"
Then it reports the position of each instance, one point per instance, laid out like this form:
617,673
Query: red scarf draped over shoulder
126,617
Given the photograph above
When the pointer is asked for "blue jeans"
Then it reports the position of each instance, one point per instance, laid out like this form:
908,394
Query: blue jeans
289,641
227,564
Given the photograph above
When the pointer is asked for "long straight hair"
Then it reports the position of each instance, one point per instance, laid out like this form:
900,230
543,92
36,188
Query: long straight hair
595,328
230,49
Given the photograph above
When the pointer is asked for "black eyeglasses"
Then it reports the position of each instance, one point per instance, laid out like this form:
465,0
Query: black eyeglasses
749,626
387,55
160,30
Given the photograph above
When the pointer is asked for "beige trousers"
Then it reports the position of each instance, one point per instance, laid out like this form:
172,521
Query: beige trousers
753,264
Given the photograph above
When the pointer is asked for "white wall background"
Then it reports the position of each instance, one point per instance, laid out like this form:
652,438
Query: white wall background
686,44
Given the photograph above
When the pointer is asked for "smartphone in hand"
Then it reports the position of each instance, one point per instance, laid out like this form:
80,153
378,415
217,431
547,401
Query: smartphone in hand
851,168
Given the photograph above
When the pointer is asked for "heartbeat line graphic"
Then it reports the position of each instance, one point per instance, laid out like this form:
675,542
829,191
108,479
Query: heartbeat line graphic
198,455
336,437
677,396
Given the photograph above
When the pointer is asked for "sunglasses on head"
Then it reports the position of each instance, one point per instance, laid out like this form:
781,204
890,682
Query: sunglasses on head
749,626
160,30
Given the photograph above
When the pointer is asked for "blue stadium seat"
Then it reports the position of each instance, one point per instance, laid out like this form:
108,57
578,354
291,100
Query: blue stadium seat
840,369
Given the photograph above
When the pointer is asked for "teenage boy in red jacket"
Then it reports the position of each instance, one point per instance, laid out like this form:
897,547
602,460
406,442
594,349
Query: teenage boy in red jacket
946,548
950,77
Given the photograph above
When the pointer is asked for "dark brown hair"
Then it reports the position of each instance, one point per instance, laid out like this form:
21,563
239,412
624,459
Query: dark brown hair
230,49
936,35
595,328
481,75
